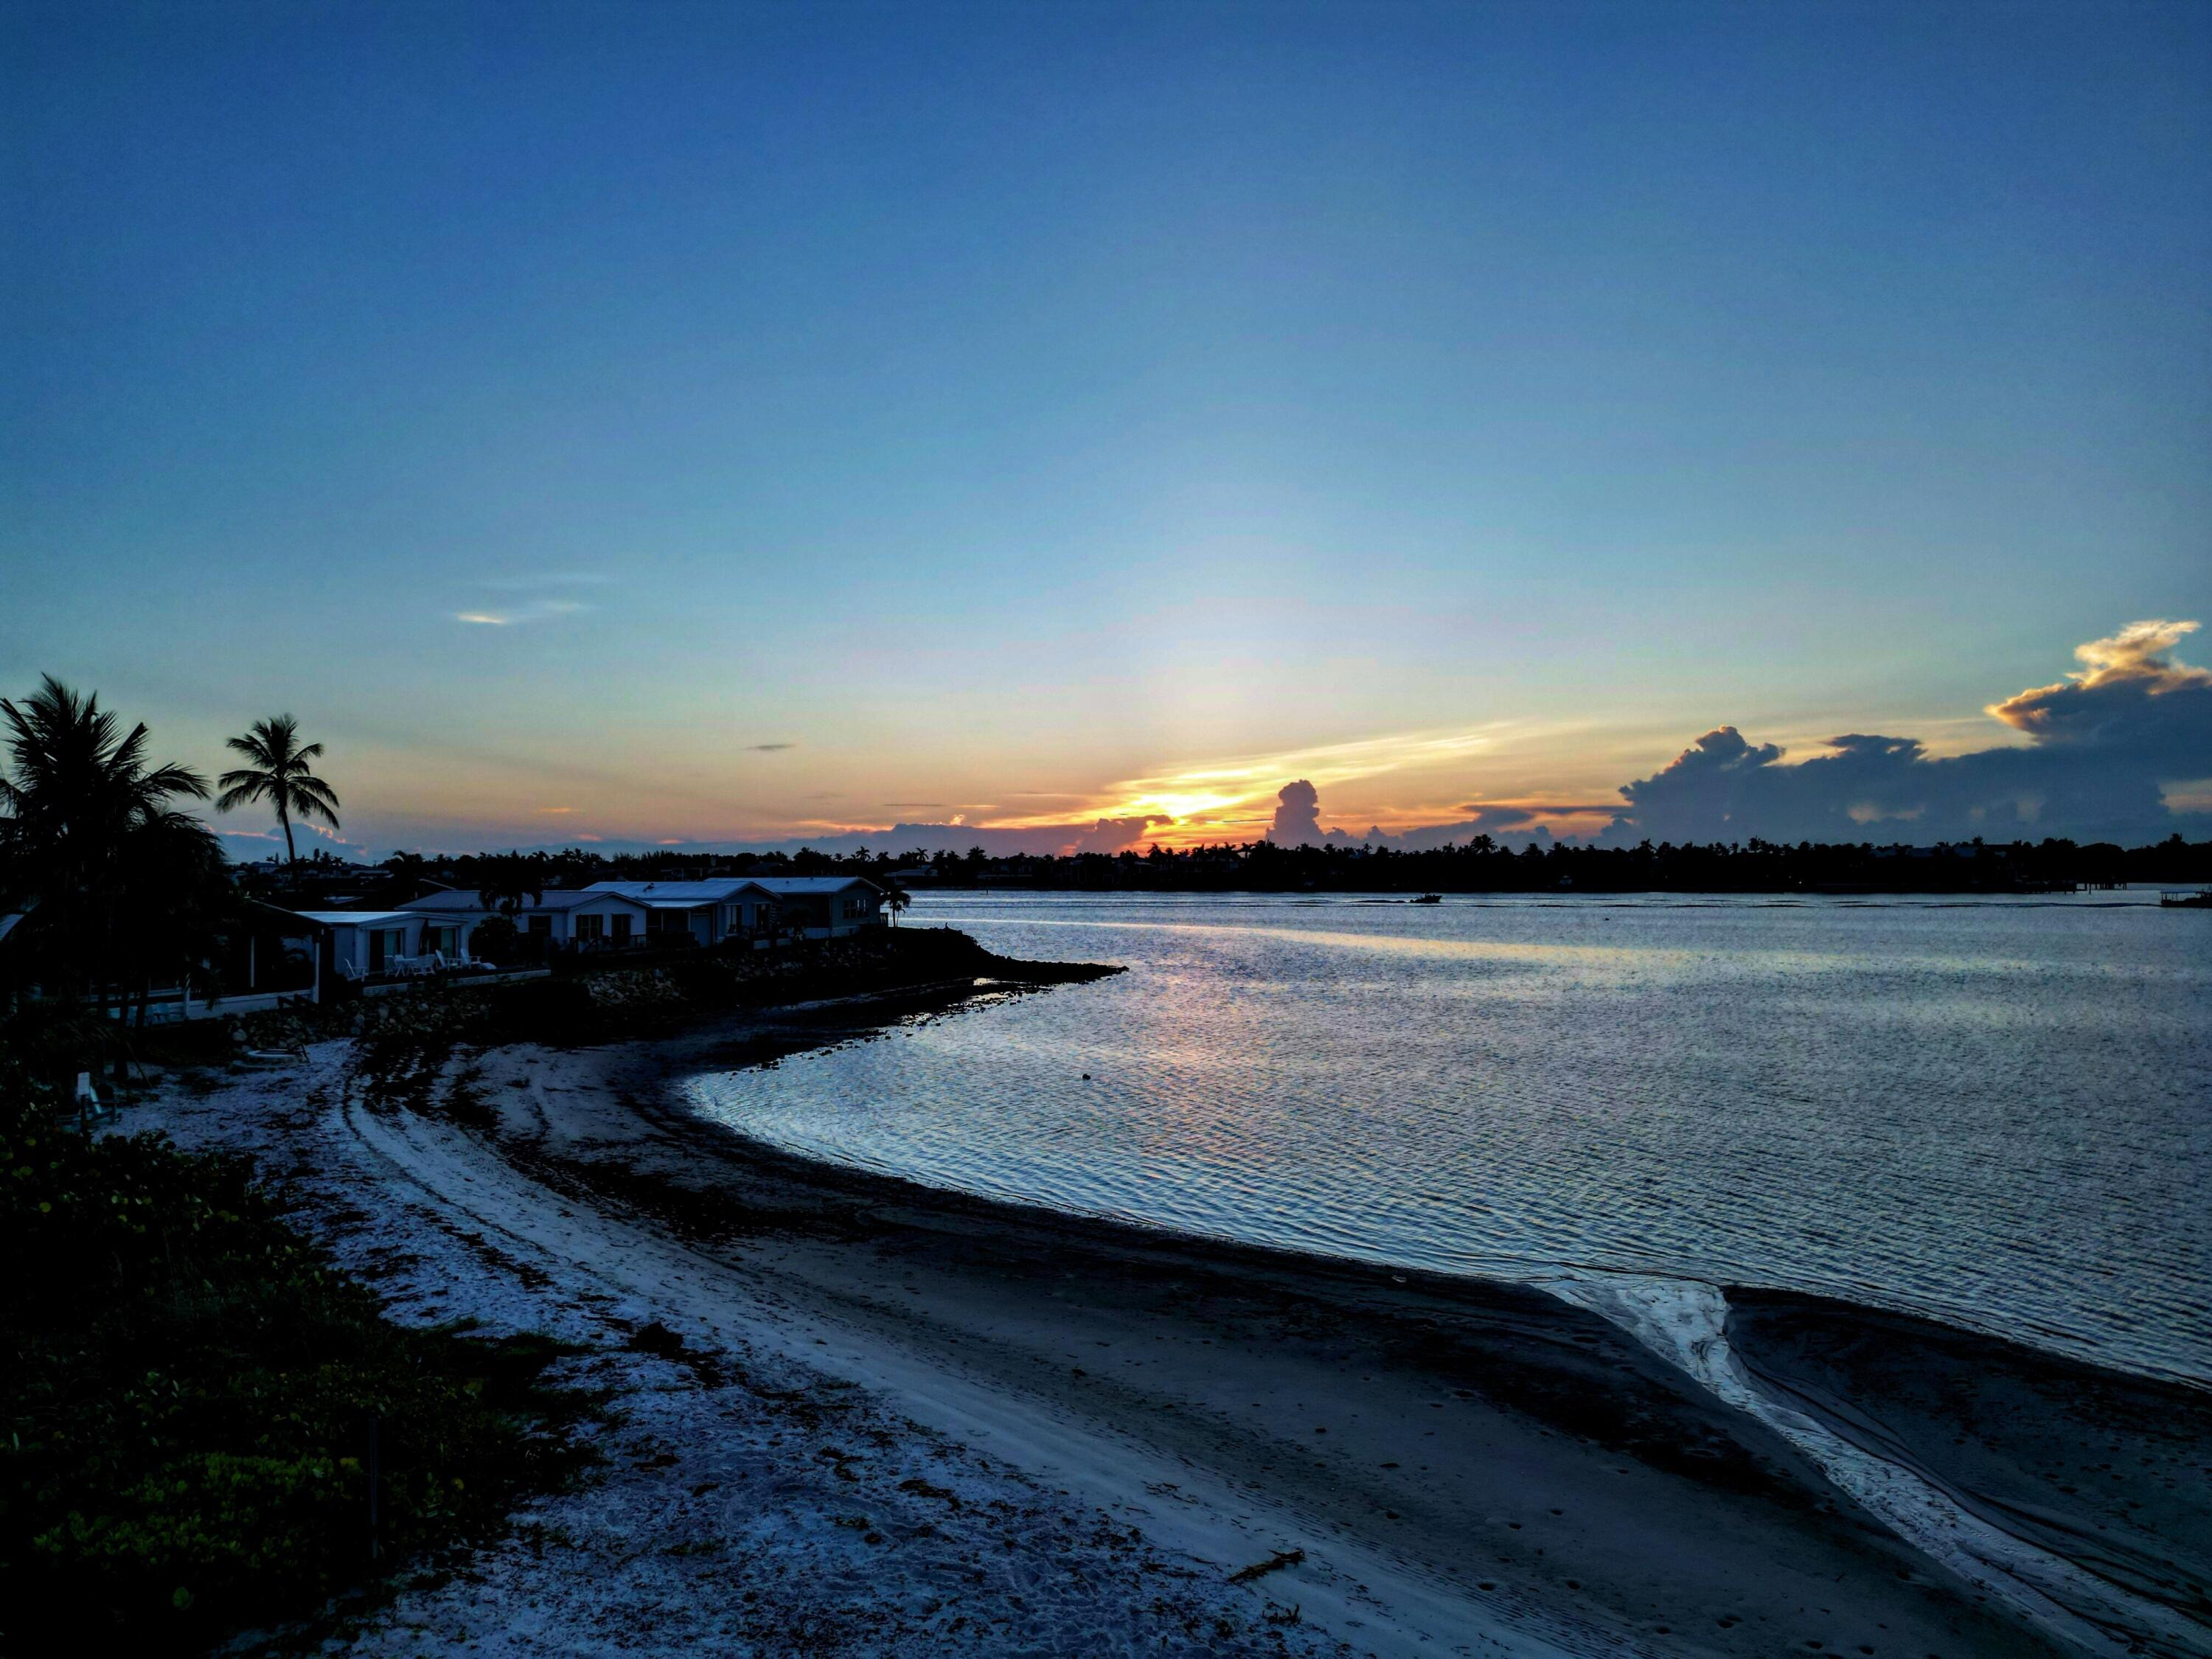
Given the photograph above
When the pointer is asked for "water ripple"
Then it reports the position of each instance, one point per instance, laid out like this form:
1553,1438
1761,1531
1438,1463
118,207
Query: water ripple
1999,1114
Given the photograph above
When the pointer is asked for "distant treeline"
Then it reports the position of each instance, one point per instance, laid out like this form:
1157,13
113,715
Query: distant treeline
1479,865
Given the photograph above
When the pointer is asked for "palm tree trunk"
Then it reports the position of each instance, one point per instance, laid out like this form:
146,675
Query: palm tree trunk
291,854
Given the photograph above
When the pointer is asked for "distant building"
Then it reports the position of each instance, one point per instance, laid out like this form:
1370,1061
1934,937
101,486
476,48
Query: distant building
586,917
824,907
711,911
757,907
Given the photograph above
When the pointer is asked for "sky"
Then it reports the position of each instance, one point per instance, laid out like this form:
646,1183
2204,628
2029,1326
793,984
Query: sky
658,423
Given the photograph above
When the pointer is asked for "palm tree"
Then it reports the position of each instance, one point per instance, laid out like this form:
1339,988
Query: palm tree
280,773
81,802
895,898
505,879
178,907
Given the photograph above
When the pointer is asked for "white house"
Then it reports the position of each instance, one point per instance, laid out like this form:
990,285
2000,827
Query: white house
824,907
711,911
755,907
356,944
583,918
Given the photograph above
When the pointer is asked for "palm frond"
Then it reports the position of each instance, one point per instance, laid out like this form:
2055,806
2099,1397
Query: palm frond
174,780
315,797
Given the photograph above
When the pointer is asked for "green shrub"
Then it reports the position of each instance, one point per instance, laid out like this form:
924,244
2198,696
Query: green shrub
496,940
189,1384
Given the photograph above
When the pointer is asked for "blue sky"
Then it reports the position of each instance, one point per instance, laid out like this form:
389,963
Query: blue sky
1017,409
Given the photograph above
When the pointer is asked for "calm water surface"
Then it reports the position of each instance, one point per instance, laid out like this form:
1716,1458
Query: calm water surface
1998,1113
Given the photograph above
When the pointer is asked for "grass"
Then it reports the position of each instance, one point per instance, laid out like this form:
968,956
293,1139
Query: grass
189,1386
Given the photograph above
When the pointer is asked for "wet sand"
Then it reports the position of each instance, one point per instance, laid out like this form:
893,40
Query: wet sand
2110,1471
1476,1460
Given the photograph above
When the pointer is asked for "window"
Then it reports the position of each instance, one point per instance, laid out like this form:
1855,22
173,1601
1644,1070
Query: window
622,928
540,925
591,928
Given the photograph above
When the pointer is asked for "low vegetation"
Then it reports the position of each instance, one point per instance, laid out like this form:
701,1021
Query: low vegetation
190,1392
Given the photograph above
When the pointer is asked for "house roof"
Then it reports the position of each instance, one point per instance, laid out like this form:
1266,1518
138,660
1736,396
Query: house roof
797,884
352,918
551,899
674,895
669,894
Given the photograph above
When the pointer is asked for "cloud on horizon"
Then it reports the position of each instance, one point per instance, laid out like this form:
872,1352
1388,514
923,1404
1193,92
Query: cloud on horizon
2106,744
2112,748
2120,750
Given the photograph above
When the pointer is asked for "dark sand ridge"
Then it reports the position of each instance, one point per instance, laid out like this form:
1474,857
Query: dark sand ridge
1494,1448
2110,1471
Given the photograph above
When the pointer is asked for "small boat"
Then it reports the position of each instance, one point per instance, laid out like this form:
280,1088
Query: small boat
2199,900
1430,898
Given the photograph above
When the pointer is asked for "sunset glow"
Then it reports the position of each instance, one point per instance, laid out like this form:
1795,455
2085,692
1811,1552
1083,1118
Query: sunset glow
1072,435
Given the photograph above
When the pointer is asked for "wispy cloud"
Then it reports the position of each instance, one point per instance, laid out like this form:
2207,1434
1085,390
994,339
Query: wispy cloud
556,809
546,595
769,747
536,610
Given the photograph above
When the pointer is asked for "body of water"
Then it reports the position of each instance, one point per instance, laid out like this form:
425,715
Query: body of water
1996,1113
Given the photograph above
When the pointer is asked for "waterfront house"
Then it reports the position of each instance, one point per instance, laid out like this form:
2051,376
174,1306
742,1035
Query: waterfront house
584,918
757,907
356,944
729,907
823,907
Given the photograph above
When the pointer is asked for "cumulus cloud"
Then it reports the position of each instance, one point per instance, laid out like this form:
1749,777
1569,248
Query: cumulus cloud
2120,751
2130,690
1297,823
2106,743
1297,815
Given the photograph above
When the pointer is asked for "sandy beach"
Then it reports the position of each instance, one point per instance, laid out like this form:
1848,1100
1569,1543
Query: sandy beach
857,1415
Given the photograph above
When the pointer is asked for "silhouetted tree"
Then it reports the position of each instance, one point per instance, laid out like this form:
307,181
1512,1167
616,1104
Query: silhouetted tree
505,879
88,834
280,770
